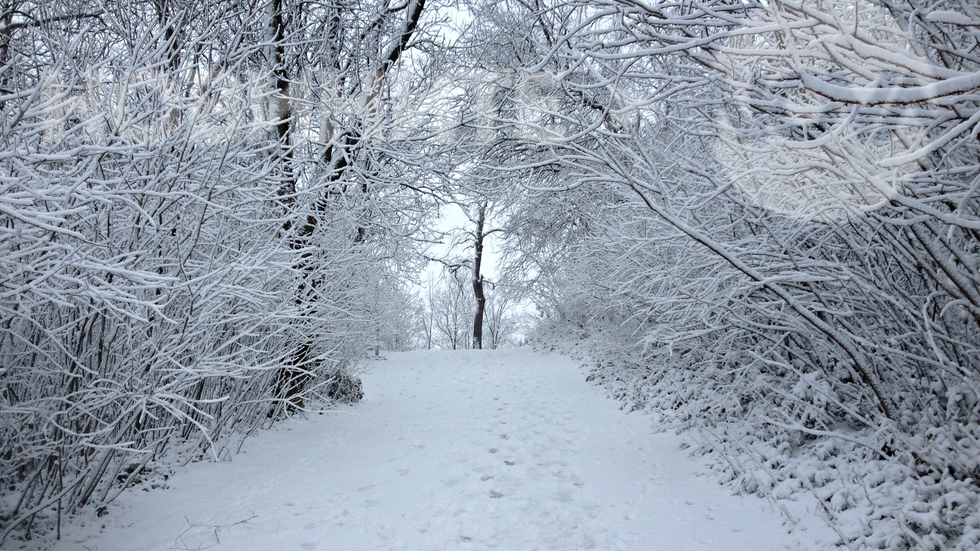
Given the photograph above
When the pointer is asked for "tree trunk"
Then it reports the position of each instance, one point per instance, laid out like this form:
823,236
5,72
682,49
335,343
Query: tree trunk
291,378
481,299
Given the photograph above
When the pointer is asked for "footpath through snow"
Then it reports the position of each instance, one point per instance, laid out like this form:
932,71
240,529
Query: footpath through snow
506,449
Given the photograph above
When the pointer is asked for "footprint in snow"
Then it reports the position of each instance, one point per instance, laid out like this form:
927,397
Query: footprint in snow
562,497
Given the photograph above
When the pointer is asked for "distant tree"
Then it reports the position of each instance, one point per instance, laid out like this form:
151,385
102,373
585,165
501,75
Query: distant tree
452,313
501,322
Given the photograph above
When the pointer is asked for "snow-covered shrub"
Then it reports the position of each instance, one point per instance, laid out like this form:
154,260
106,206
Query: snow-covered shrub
159,280
776,406
789,265
345,387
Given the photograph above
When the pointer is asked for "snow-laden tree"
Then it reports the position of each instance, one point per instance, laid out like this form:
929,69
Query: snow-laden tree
202,208
466,248
345,123
792,237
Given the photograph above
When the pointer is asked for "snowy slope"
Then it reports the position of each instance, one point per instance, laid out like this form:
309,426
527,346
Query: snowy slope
506,449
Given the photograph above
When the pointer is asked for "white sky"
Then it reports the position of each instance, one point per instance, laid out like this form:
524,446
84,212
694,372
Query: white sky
454,220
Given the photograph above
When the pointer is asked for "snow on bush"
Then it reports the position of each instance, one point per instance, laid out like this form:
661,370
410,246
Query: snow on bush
787,438
165,278
768,236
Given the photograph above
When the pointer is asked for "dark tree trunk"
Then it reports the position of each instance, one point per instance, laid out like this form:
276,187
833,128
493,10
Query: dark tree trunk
291,379
481,299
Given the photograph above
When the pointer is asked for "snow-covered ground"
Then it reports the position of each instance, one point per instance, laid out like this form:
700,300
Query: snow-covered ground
506,449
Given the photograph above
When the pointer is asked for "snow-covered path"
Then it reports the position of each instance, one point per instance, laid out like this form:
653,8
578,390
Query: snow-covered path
505,449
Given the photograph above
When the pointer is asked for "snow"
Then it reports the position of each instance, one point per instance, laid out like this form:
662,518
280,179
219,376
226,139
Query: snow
879,95
507,449
952,17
